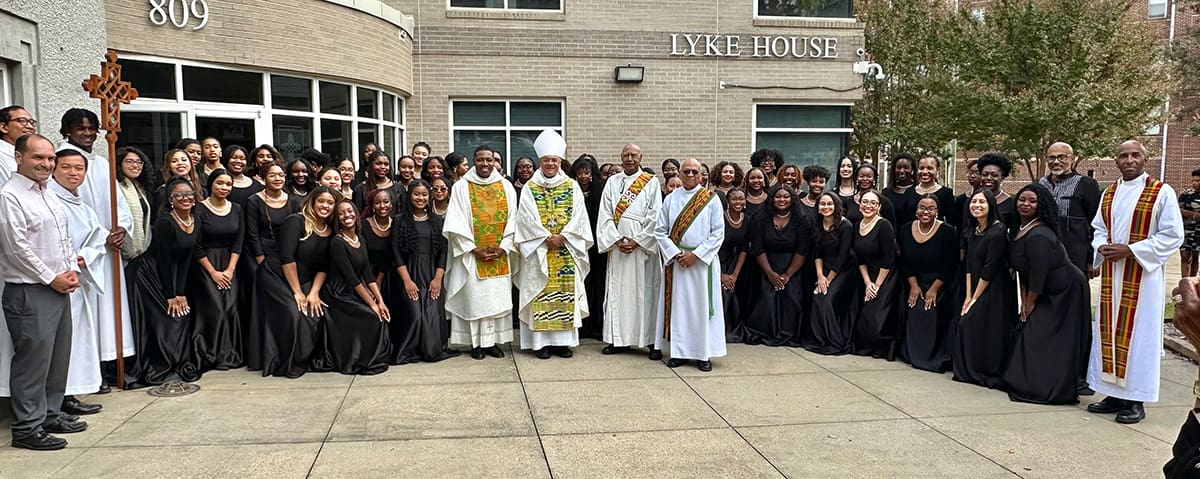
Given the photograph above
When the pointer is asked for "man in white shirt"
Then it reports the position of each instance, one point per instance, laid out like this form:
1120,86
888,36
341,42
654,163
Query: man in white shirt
40,270
14,122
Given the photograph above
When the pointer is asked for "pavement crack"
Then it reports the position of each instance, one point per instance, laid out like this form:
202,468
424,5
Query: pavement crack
329,431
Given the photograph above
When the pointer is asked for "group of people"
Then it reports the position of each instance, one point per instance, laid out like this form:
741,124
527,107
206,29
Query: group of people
225,257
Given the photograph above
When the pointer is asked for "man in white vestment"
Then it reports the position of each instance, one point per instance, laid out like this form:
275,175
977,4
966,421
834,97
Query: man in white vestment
689,230
625,232
80,129
482,258
553,235
1138,228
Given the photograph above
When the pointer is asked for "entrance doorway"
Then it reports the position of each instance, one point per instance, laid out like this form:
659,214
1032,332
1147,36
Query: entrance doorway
230,131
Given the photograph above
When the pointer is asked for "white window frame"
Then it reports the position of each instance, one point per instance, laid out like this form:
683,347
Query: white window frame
5,84
755,130
505,8
265,113
507,128
1166,9
758,16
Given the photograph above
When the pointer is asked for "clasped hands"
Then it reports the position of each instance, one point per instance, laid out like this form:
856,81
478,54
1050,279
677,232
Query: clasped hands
487,253
686,259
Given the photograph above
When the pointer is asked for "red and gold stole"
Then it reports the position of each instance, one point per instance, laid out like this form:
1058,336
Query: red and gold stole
489,216
629,195
1114,344
682,222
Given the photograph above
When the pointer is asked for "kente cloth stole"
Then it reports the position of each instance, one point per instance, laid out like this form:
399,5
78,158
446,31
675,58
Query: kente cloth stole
682,222
629,195
489,216
1114,343
554,307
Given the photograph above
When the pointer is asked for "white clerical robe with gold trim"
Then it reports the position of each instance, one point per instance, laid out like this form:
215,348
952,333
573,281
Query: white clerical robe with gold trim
697,314
629,304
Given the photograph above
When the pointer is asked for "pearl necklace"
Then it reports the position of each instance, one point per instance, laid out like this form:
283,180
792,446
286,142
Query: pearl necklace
267,196
322,230
351,242
440,213
932,189
737,223
220,211
785,215
865,227
378,227
185,224
1029,224
926,234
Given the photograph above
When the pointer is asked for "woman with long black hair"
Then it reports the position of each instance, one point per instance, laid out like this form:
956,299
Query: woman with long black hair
299,177
779,244
419,329
435,168
845,186
260,157
865,179
135,180
929,260
244,186
835,299
756,191
586,172
456,166
379,177
161,314
981,342
928,170
175,163
266,211
875,249
1044,362
215,283
733,254
355,328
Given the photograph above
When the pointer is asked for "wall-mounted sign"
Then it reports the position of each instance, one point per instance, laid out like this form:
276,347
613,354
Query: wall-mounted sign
179,13
759,46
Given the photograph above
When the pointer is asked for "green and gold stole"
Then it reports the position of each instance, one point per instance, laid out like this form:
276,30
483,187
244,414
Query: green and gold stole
554,307
690,212
1114,344
629,195
489,216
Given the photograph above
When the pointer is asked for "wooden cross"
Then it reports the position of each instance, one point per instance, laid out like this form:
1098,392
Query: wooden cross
112,92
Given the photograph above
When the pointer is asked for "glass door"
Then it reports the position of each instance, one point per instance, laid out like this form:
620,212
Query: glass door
230,127
153,132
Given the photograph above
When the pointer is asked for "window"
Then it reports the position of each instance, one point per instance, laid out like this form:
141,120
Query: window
1157,8
509,4
335,98
806,134
509,127
223,86
152,79
806,8
290,93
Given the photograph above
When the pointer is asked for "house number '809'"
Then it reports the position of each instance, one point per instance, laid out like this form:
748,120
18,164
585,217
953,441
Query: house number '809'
179,12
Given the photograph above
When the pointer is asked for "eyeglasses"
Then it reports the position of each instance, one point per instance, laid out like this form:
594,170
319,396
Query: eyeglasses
927,209
689,172
1058,157
346,170
183,196
869,203
133,162
25,121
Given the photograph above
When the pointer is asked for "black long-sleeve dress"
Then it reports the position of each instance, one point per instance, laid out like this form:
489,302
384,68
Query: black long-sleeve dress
164,343
218,333
947,207
927,333
877,328
365,188
241,195
419,329
1043,366
594,284
290,337
853,213
379,254
776,318
904,204
263,224
835,312
736,242
356,340
981,338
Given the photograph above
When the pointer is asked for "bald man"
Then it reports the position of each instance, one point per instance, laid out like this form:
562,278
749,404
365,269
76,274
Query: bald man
1138,228
1078,197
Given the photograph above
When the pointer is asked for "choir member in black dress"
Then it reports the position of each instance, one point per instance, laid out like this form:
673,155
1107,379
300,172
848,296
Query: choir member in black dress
1043,366
406,170
929,259
993,169
846,185
522,172
875,249
836,298
435,168
815,177
215,283
346,170
243,185
960,216
379,177
729,176
265,213
262,156
733,258
980,342
175,163
756,191
866,177
419,328
456,165
789,175
288,288
299,182
356,321
332,179
586,173
440,201
928,170
161,314
768,160
900,193
779,243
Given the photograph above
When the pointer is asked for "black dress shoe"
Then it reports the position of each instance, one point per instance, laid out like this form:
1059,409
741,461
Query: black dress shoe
64,425
655,354
104,389
704,366
40,441
1085,391
74,406
1107,406
563,352
1133,413
477,354
610,349
543,353
674,362
494,351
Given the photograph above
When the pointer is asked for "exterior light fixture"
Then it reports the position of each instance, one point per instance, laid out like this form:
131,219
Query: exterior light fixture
629,74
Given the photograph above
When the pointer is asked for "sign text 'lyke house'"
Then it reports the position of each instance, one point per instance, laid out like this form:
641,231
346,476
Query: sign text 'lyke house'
760,46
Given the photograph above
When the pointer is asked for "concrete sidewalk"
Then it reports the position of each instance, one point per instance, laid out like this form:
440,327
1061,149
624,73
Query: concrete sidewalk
762,412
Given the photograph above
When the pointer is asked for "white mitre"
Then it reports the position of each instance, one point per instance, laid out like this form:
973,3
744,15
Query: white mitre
550,143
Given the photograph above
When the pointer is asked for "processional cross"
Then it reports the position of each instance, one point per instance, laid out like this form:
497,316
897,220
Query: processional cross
113,92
